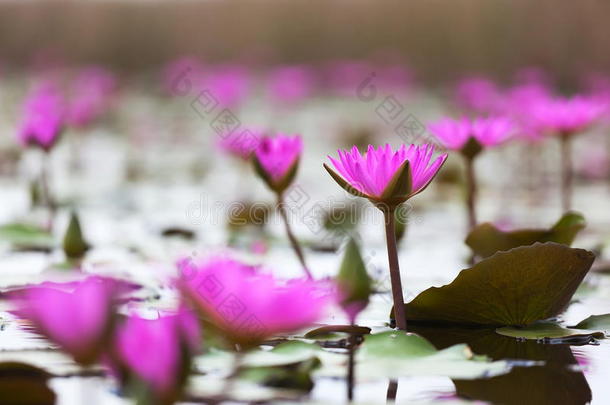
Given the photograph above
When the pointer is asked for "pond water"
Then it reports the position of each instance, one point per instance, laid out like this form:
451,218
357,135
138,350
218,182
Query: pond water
137,180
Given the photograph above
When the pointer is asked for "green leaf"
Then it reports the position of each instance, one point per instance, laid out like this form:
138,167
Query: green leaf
549,332
514,288
290,352
74,243
353,280
25,236
595,322
329,331
395,354
485,239
293,376
343,183
23,384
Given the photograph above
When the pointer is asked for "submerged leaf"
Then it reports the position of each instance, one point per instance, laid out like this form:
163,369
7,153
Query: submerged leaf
548,332
485,239
517,288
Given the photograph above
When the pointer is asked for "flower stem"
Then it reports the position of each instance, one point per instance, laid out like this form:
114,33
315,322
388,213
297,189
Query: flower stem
471,193
351,366
392,390
46,189
399,305
566,172
293,240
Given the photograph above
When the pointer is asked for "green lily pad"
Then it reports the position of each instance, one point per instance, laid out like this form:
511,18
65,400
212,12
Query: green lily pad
26,237
486,239
549,332
285,353
395,354
595,322
514,288
331,331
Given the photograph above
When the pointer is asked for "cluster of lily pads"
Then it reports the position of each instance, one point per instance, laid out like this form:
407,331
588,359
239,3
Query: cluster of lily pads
234,325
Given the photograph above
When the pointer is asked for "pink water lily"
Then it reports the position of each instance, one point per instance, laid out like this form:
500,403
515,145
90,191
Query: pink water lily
43,117
566,116
369,174
277,159
249,306
79,319
487,132
157,352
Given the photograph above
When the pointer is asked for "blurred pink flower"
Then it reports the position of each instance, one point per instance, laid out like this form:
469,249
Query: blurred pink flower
90,96
229,84
455,133
290,84
241,144
157,351
80,322
371,173
565,116
277,158
477,94
249,306
43,116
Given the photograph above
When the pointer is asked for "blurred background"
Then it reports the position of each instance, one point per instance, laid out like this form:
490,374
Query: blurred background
440,39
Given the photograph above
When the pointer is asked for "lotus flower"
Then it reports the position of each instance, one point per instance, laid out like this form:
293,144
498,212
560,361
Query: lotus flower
470,136
566,116
157,352
80,321
249,306
276,160
290,84
90,96
43,117
386,176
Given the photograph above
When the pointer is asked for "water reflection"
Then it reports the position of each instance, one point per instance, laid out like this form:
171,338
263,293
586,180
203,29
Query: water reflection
557,381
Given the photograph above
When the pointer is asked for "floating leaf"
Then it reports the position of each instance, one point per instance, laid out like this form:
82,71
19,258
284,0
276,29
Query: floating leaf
595,322
396,354
325,332
26,237
549,332
285,353
74,243
485,239
22,384
515,288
